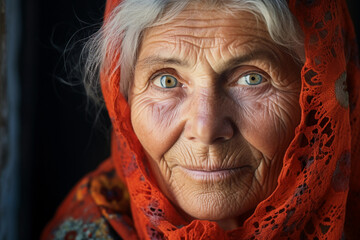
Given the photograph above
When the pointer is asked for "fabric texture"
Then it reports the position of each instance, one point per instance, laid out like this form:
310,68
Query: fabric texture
318,193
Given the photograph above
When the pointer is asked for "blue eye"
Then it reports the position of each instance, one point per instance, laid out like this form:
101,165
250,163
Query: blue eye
168,81
250,79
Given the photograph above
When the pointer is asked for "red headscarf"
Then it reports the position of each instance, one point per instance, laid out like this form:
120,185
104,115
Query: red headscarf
317,193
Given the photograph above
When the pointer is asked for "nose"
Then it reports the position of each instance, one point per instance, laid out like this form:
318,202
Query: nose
208,121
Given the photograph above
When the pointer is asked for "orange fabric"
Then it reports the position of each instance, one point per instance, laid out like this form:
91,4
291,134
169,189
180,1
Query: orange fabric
320,166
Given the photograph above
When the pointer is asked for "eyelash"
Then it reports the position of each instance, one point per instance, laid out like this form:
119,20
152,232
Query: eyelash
233,76
163,71
264,78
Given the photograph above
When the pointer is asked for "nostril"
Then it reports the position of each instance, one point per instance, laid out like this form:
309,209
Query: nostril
226,131
220,139
209,130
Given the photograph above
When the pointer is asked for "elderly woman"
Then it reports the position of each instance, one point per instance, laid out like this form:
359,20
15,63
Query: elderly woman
232,119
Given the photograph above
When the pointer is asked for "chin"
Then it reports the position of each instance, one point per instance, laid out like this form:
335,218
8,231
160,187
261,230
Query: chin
214,202
226,210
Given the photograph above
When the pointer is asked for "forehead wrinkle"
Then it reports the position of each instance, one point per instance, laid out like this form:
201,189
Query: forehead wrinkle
197,14
202,38
180,38
203,31
211,30
204,41
213,23
249,51
242,52
258,54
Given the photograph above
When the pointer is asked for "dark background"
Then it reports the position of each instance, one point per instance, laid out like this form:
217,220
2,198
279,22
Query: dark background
60,141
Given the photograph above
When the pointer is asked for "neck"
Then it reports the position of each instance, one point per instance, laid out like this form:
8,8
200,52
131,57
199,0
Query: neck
233,223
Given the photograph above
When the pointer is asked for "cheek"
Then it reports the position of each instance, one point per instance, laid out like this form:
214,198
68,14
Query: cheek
268,121
156,123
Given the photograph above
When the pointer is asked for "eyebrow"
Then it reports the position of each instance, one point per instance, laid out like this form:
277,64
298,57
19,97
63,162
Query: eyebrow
254,55
228,65
154,60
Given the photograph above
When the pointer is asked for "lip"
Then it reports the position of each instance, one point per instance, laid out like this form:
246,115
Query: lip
215,174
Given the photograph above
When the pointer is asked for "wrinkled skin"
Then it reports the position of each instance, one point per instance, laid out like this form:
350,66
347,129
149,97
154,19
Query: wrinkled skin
214,143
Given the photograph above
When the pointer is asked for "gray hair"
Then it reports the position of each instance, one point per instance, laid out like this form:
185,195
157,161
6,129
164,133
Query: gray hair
120,36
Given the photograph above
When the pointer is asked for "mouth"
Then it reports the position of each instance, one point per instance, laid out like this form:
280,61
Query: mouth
213,174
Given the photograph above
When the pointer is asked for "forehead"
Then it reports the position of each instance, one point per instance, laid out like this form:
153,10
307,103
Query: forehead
205,32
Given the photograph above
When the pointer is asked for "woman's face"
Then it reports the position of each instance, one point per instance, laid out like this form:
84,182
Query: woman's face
214,103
